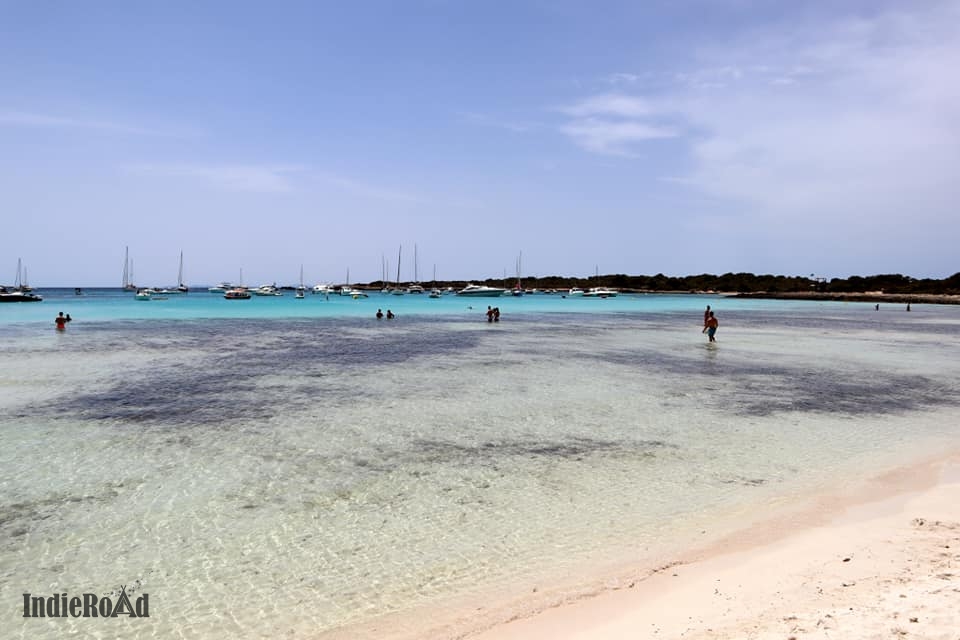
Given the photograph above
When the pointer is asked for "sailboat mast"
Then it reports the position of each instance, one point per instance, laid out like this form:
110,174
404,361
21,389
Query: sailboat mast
399,251
126,268
416,278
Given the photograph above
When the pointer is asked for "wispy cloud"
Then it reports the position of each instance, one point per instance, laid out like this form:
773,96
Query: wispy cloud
43,120
613,123
613,137
850,121
269,179
610,104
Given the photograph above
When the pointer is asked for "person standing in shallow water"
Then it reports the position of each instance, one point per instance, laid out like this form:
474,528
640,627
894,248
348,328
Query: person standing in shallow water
710,327
61,322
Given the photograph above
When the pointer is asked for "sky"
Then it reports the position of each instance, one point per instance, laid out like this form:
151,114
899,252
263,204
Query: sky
569,137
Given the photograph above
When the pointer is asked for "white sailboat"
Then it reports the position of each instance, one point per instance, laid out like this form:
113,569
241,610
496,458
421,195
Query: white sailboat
517,289
415,287
127,271
301,288
182,288
397,291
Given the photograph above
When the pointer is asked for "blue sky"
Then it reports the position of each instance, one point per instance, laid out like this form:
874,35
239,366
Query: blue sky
629,137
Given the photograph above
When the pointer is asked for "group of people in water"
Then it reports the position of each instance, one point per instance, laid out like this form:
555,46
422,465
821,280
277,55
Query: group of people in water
493,314
390,315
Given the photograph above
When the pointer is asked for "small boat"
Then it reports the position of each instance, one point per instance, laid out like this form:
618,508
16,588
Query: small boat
267,290
223,287
600,292
415,288
237,293
356,294
481,291
143,294
435,293
574,292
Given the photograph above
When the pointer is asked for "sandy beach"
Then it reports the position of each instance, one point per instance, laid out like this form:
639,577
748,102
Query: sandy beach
880,562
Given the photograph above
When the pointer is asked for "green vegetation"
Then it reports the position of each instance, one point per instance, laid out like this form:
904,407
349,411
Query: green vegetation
736,283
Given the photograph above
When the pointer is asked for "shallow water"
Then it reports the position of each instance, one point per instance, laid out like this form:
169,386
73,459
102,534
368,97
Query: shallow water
310,471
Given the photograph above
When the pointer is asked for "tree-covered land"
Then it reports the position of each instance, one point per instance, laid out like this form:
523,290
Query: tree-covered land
745,283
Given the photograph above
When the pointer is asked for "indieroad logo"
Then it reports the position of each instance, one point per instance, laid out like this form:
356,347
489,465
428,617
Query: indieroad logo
89,605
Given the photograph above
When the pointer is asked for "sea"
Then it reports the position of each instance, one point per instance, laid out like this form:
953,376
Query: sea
297,468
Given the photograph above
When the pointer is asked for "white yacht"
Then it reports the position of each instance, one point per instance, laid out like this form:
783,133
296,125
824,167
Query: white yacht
267,290
481,291
600,292
223,287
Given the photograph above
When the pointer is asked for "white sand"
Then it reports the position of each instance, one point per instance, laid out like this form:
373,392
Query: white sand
887,567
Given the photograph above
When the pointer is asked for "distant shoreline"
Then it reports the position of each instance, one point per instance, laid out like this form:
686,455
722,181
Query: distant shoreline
869,296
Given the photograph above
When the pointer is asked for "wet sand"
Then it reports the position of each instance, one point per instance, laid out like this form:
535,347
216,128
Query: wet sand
884,563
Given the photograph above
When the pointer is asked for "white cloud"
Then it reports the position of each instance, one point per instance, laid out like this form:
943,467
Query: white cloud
610,104
611,137
847,122
613,124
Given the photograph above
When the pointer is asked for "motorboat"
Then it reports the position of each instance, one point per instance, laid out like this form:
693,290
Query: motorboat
356,294
324,289
435,293
481,291
415,288
574,292
600,292
18,295
237,293
143,294
223,287
267,290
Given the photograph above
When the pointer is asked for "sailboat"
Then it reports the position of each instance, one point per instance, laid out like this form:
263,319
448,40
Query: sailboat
517,289
415,287
600,292
435,292
127,271
301,288
21,292
397,291
182,288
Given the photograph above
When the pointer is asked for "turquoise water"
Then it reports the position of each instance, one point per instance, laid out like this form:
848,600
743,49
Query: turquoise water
296,468
115,304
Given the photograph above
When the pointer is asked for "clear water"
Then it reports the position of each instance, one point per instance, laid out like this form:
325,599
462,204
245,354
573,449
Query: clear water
295,468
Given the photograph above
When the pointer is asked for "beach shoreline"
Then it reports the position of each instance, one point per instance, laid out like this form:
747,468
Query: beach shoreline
881,561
